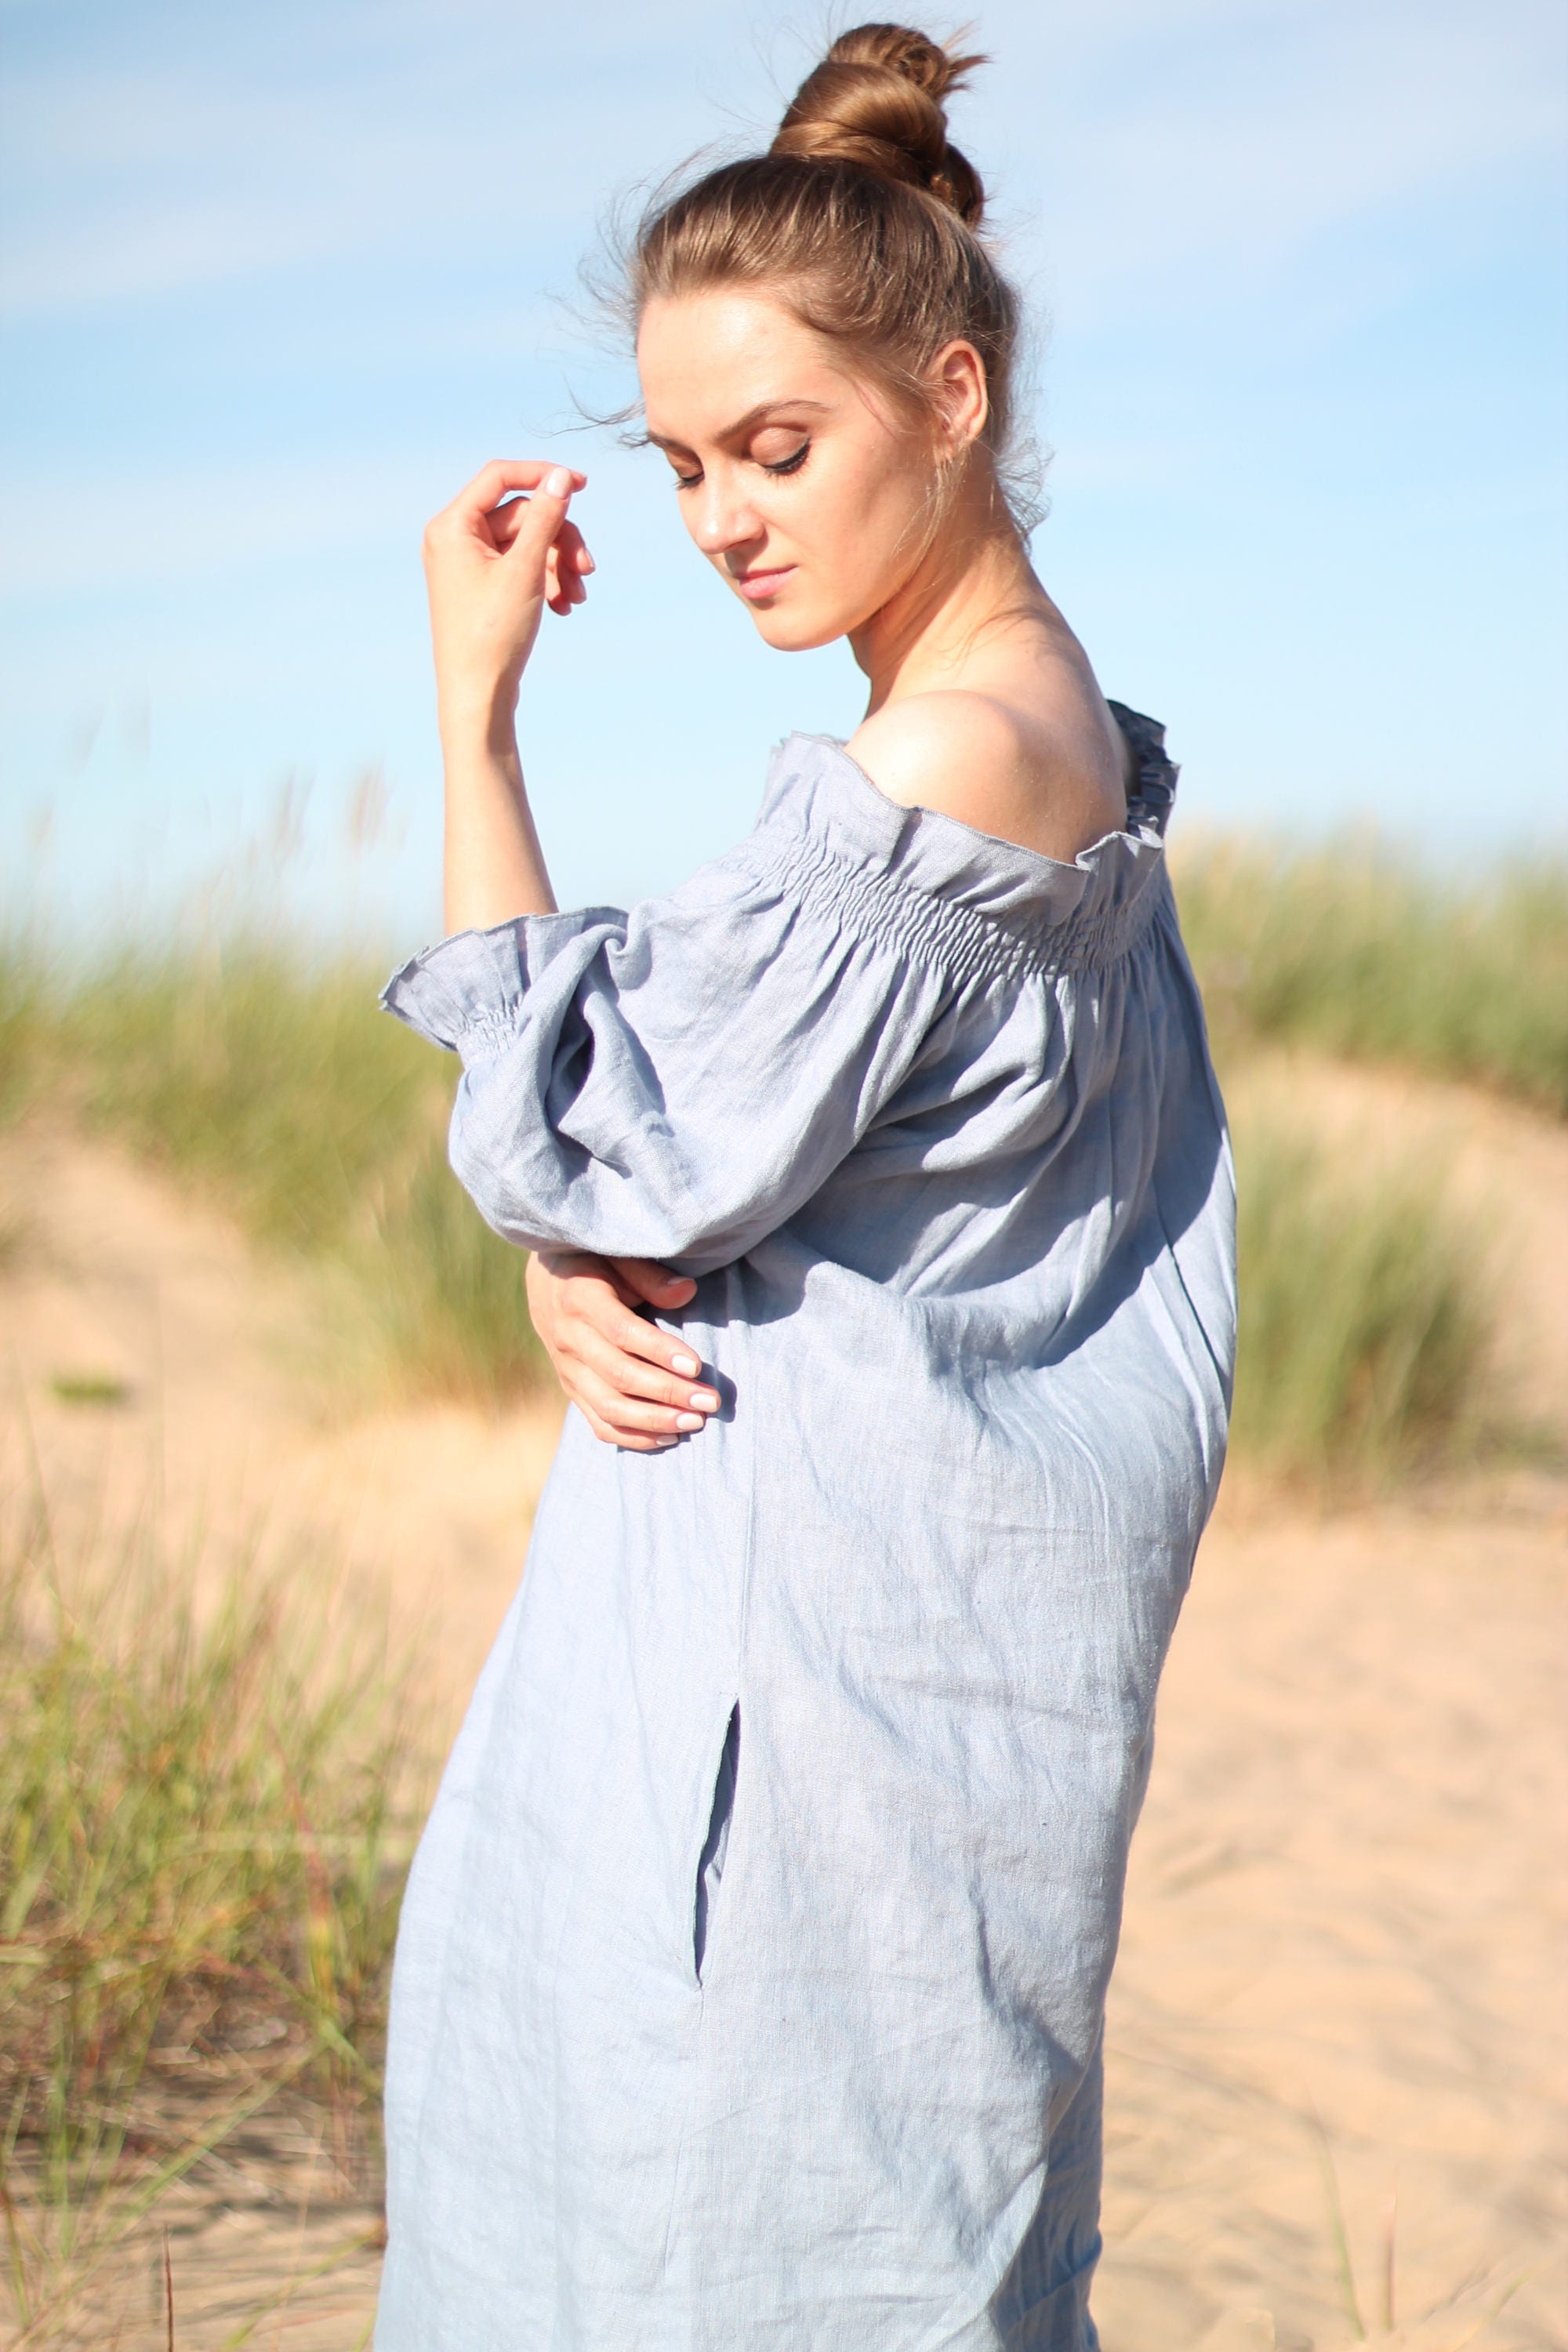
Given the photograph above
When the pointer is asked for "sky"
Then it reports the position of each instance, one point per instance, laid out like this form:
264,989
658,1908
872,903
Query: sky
275,282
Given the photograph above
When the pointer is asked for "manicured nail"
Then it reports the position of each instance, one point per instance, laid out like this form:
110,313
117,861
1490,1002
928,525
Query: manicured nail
585,563
686,1364
688,1420
708,1398
558,482
660,1442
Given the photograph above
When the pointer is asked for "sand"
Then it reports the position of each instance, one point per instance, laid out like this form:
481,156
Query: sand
1339,2005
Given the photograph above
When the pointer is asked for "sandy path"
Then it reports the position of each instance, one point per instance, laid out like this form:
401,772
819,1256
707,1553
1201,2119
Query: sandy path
1343,1910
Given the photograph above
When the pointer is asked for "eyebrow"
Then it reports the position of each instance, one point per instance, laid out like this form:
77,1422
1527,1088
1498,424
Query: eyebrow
742,424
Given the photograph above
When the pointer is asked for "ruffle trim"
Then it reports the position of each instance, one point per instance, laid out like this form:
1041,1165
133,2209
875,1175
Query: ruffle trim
1149,802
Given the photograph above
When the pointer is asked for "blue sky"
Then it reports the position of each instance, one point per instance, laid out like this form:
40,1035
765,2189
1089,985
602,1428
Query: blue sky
275,282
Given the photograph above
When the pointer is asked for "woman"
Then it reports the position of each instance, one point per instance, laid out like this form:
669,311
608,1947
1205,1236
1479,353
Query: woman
751,1972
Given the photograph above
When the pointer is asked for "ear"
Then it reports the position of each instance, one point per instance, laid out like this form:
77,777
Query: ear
957,379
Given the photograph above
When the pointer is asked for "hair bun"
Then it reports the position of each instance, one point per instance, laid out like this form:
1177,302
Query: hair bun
877,101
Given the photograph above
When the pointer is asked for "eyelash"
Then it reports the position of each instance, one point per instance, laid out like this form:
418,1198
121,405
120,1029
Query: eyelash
791,464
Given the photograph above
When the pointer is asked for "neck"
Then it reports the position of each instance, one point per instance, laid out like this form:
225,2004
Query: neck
975,575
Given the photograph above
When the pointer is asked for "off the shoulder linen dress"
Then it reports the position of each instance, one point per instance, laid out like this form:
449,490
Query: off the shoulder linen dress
750,1984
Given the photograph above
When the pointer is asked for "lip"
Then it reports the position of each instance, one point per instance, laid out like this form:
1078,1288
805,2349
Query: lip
755,585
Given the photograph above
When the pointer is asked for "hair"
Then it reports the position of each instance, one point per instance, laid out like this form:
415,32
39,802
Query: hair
866,222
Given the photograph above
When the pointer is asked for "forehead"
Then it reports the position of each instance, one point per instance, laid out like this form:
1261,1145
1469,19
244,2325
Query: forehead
704,359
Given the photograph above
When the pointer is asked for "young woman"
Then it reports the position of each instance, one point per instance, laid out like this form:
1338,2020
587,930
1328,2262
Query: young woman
751,1972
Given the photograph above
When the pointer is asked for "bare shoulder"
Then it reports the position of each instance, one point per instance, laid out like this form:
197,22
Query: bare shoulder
929,750
976,757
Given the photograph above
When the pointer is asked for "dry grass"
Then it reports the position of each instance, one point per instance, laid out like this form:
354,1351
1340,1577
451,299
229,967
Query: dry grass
1361,952
207,1812
270,1082
1368,1327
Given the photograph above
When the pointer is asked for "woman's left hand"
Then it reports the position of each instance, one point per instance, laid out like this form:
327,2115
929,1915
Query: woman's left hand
490,569
636,1386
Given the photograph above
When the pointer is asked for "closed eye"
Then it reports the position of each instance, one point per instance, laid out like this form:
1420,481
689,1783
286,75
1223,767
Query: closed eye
790,465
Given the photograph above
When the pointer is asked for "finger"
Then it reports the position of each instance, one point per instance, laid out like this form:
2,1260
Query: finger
569,558
630,1412
571,1279
633,1334
504,521
629,1441
656,1283
571,552
493,482
542,518
479,512
562,587
642,1383
637,1371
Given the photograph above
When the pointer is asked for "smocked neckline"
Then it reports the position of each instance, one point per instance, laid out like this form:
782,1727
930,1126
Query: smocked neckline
992,903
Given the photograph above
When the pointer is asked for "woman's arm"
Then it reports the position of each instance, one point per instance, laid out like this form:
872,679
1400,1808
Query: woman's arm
490,568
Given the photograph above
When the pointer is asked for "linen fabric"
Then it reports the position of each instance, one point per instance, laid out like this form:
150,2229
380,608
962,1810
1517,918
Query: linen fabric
750,1985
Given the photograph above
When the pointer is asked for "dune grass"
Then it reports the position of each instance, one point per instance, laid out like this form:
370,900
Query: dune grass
206,1814
1368,1325
255,1072
1362,953
269,1083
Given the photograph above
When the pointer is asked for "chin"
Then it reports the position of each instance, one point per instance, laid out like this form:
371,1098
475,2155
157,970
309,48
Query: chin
799,632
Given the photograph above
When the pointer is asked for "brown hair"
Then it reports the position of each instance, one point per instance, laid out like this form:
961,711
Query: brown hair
866,219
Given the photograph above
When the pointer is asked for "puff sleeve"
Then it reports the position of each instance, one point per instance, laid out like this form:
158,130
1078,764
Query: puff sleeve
673,1082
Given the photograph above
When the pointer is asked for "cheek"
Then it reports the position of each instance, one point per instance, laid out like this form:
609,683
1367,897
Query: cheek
862,531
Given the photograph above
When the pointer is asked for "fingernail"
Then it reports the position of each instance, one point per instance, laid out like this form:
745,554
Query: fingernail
686,1364
707,1398
588,562
661,1443
558,482
688,1420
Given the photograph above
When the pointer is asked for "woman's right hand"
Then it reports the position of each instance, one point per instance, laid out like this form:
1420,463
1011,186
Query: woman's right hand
492,563
634,1384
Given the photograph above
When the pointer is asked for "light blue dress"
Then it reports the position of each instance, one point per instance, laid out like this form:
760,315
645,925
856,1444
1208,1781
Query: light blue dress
749,1986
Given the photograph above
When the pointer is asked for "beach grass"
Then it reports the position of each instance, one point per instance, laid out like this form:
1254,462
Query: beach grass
267,1081
445,1301
1368,1327
207,1791
1365,954
259,1073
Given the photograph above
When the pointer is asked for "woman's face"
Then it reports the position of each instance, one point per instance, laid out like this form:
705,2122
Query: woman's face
805,493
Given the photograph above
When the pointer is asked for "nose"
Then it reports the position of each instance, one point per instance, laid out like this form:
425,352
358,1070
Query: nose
724,519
